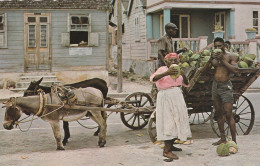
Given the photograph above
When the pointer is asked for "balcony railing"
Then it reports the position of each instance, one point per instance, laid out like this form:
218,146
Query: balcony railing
189,43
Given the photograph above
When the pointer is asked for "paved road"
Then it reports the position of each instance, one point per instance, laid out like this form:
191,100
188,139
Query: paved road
124,146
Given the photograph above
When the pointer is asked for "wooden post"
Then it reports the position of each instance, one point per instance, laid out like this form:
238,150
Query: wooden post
119,46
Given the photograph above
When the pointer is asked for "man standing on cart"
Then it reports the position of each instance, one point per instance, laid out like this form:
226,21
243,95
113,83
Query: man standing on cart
166,45
222,89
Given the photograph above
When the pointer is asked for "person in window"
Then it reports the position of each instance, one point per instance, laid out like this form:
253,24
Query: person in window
166,45
222,89
172,119
228,46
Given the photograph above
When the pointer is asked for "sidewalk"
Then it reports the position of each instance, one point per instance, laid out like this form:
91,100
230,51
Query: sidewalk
200,153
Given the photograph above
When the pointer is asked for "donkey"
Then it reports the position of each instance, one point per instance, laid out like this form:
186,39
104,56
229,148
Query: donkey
33,105
94,82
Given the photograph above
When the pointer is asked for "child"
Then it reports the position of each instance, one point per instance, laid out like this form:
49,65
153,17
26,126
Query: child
171,112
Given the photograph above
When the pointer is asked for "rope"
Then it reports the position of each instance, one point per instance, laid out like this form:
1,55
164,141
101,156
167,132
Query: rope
27,128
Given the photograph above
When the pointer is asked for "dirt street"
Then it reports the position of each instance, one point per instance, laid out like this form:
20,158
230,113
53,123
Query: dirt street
124,146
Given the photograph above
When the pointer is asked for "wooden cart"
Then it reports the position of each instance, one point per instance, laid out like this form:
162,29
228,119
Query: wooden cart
200,105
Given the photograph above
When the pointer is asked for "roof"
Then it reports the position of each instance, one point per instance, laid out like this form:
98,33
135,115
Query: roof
55,4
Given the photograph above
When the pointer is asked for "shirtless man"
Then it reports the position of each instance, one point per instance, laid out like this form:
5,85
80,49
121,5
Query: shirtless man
222,93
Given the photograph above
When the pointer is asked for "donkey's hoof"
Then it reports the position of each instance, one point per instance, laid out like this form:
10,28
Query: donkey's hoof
60,148
64,142
101,144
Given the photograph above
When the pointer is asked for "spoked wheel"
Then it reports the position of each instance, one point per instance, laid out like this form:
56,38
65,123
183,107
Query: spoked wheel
199,118
137,120
152,128
244,116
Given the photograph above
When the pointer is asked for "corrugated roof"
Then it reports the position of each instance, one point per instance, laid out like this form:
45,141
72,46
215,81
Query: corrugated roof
54,4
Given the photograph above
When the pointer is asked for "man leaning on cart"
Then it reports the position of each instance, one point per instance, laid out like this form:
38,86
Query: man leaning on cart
222,89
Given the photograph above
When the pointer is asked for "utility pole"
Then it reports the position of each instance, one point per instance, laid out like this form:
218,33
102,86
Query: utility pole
119,46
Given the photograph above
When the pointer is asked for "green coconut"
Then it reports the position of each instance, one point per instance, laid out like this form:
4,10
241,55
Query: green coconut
252,66
203,63
233,148
252,56
248,60
242,64
195,57
236,55
175,66
223,149
193,63
188,52
185,64
206,58
184,58
205,53
214,52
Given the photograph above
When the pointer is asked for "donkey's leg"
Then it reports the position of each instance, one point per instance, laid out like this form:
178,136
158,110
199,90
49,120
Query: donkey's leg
66,132
104,115
97,117
56,131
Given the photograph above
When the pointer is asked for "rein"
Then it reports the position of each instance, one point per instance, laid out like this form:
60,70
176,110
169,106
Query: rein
40,113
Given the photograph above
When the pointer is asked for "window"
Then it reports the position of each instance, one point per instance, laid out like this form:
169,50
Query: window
3,31
137,33
183,23
255,20
79,29
220,19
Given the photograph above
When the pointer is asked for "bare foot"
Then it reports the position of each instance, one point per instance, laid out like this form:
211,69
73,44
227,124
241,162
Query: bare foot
219,142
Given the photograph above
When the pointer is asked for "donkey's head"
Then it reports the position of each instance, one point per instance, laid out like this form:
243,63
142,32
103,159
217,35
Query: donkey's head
33,87
12,113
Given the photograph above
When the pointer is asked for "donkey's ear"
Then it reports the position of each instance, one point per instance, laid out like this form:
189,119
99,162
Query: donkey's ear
39,81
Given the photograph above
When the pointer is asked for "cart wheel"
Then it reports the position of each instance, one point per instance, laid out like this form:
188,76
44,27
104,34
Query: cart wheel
152,128
244,116
137,121
199,118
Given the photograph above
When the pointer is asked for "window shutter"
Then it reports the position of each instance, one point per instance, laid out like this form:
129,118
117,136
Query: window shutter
65,39
2,40
93,39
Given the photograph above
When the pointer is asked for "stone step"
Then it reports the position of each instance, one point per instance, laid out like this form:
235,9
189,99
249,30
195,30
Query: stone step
36,78
23,84
18,89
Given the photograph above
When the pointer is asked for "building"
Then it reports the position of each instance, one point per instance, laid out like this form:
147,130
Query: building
196,20
54,36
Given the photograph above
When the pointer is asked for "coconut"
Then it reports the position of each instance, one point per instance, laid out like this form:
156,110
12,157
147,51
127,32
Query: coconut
236,55
233,148
248,60
205,53
175,66
206,58
214,52
184,58
242,64
252,56
193,63
203,63
223,149
188,52
185,64
194,57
